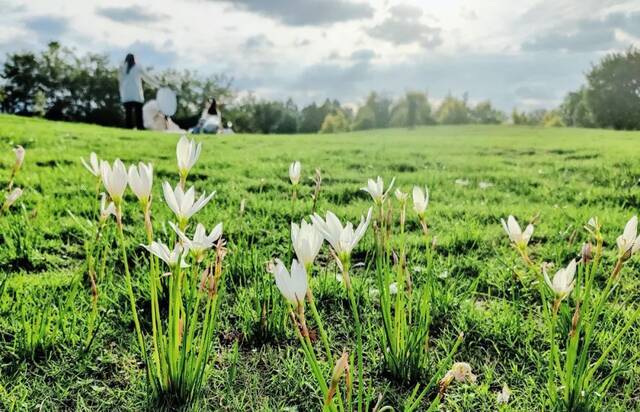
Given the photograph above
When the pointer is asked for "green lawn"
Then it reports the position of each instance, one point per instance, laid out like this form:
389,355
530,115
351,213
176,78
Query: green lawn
561,175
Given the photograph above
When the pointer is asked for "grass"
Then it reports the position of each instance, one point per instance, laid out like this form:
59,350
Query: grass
561,176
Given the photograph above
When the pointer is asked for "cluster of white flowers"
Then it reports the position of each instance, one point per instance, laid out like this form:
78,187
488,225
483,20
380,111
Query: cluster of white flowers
183,204
307,238
563,281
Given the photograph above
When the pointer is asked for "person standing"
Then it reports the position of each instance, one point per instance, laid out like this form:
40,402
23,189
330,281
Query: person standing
130,76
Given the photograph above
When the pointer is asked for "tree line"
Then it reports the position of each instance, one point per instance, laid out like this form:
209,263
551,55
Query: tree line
58,84
611,96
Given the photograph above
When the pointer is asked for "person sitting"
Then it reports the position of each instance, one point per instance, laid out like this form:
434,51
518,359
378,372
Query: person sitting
210,120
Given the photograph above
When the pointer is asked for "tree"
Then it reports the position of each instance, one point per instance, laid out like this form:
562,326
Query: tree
289,121
241,114
613,90
267,116
21,73
532,118
453,111
365,119
373,114
311,118
411,110
552,118
484,113
335,123
575,111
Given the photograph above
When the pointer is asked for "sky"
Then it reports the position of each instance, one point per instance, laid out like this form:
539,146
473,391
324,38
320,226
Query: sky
526,54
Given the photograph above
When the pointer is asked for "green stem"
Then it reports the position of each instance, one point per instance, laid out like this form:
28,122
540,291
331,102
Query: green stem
318,320
132,299
356,318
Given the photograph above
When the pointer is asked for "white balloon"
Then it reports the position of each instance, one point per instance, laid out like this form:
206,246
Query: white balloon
167,102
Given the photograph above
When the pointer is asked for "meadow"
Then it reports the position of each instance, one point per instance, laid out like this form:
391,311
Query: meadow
481,303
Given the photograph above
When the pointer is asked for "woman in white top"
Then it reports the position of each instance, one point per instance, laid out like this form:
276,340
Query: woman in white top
130,76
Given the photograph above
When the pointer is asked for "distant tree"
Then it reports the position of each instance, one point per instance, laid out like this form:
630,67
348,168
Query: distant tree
453,111
335,123
311,118
289,121
240,114
411,110
534,118
22,80
575,111
552,118
382,109
613,90
484,113
267,116
365,119
518,118
375,113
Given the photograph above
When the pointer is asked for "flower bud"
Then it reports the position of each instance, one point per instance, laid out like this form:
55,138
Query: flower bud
586,252
19,152
575,319
342,367
11,198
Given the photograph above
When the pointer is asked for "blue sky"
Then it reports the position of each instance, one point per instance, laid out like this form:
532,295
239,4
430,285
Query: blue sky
524,54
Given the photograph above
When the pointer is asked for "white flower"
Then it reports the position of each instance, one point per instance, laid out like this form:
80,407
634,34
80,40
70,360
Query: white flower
106,209
114,179
201,242
401,196
563,281
293,286
420,199
462,182
376,189
295,169
485,185
307,241
170,257
93,166
11,198
141,181
593,225
183,204
19,152
461,372
187,152
504,395
393,288
342,239
517,236
628,243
